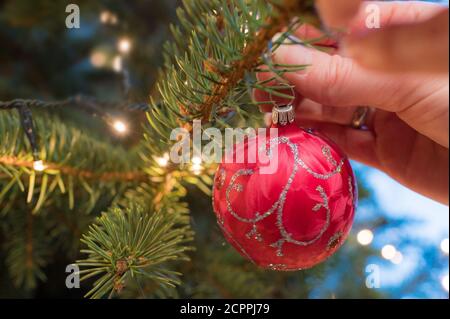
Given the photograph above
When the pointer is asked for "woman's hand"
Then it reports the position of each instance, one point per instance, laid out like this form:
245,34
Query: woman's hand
408,134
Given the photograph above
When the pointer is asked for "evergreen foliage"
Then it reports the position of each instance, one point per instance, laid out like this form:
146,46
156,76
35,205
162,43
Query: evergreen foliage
142,245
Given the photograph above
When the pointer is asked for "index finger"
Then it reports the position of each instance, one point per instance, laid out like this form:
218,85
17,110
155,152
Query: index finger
336,14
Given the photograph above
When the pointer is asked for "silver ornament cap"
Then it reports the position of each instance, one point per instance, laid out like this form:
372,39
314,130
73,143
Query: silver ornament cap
283,114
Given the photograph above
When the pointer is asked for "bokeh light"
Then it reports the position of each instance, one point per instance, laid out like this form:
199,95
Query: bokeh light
398,258
98,59
124,45
107,17
365,237
388,252
162,161
117,64
120,127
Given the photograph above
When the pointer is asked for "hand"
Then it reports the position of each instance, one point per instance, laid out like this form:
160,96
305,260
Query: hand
408,134
414,36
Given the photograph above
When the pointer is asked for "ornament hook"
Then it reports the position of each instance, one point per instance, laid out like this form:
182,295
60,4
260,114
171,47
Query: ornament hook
284,114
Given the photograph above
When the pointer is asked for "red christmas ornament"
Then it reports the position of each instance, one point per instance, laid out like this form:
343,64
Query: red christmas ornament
296,217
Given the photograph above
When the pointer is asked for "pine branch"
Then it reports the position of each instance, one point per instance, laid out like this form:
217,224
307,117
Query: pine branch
132,176
27,248
29,241
74,161
133,243
211,65
251,55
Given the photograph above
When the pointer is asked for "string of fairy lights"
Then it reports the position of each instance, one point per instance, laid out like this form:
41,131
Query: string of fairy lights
93,107
196,167
365,237
98,59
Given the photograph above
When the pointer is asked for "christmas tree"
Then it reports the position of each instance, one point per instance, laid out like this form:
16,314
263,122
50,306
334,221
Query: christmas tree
85,177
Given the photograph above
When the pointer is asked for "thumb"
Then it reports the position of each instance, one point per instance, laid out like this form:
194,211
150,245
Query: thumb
338,81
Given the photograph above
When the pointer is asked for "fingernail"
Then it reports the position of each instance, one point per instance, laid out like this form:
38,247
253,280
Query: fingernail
294,55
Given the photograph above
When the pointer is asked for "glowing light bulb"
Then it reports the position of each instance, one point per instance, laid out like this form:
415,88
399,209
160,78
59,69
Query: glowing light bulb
388,252
197,169
113,19
98,59
196,160
398,258
365,237
117,64
163,161
444,246
107,17
124,45
104,16
120,127
39,166
444,283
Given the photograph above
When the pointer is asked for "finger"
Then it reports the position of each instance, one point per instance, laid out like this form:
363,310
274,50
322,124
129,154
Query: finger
337,14
338,81
357,144
415,47
372,14
381,14
387,150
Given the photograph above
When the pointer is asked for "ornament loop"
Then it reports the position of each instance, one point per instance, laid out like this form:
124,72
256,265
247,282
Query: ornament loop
283,114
